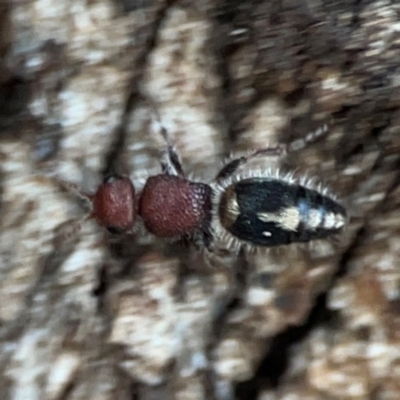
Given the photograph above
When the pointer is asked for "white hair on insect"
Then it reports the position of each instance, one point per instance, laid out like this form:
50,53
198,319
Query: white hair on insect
274,174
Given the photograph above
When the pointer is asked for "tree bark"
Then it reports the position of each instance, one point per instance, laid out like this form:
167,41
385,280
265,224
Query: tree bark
88,315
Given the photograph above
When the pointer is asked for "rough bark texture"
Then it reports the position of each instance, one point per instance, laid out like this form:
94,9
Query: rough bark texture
92,316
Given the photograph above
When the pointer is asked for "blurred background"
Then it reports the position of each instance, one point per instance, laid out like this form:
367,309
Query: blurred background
89,315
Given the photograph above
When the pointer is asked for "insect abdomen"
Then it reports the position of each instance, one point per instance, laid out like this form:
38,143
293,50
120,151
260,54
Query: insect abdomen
272,212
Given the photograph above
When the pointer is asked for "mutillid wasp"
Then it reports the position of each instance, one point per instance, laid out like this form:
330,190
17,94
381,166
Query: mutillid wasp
241,206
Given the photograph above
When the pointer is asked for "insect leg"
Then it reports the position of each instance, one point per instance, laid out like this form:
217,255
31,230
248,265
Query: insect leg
170,160
277,151
311,137
236,163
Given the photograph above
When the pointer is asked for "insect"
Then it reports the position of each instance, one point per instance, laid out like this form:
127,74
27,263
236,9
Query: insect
242,206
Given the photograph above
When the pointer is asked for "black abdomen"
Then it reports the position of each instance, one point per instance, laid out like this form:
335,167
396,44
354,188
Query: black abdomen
272,212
